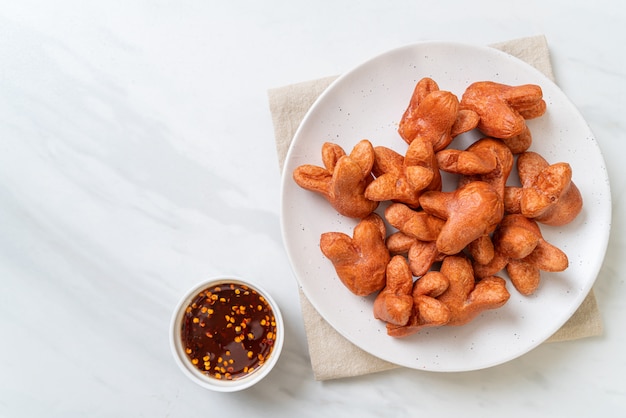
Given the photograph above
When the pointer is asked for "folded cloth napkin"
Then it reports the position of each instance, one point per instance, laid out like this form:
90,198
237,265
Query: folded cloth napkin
288,106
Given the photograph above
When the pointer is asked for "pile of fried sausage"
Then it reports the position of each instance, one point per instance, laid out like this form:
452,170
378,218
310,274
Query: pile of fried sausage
439,266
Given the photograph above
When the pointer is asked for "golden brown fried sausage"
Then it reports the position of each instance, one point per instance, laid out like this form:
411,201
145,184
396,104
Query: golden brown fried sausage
467,298
361,260
343,180
548,194
470,211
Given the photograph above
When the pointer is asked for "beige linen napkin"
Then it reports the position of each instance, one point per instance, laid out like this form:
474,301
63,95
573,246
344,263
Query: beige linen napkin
288,106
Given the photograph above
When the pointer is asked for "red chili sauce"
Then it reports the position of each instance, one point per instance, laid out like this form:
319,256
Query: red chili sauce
228,331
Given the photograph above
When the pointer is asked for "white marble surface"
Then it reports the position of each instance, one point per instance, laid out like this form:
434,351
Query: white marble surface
137,157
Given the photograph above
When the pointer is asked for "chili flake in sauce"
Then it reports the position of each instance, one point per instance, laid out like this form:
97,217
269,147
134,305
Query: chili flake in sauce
228,331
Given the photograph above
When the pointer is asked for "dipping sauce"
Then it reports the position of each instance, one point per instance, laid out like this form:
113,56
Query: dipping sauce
228,331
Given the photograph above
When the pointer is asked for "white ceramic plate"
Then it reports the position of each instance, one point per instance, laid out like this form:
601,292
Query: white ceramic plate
368,102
